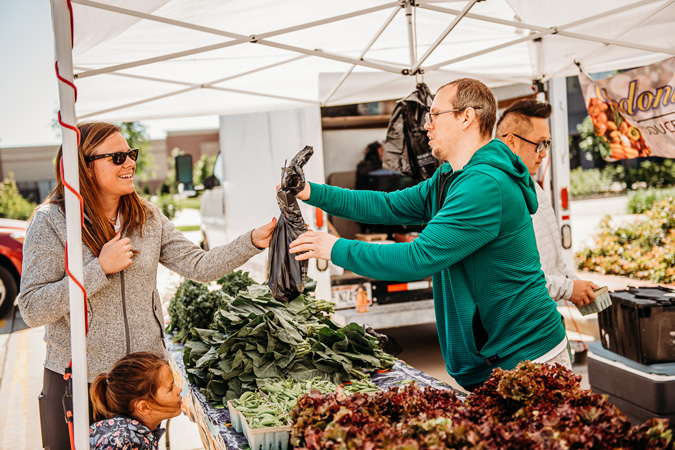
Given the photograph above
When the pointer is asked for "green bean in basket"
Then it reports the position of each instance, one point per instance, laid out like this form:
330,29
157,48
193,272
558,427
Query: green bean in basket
269,406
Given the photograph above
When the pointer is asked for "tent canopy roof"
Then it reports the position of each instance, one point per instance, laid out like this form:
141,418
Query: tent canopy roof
170,58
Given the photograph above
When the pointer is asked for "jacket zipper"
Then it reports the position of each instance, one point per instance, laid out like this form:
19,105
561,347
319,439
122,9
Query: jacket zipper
124,313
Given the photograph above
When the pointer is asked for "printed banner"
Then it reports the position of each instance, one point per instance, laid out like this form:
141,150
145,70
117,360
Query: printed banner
634,112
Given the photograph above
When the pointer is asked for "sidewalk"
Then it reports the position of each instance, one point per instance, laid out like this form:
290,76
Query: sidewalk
21,383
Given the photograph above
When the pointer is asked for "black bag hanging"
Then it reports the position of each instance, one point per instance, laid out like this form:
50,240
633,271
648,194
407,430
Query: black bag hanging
288,276
406,148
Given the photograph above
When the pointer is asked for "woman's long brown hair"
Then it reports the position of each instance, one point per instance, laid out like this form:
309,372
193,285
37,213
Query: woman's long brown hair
97,229
133,378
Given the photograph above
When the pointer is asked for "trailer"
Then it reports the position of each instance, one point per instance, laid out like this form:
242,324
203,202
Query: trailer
255,146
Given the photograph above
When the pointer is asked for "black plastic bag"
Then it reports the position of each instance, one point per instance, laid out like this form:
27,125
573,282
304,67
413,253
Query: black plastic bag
406,148
288,276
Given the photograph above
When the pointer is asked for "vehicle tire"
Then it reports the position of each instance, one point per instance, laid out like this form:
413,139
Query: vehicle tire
8,291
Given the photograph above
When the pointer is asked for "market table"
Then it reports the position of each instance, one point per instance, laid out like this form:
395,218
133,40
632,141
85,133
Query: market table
214,424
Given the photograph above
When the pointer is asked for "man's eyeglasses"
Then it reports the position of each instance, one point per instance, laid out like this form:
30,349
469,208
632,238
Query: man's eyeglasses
117,158
429,117
541,145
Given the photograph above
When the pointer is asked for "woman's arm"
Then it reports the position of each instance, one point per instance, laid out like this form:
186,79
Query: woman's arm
189,260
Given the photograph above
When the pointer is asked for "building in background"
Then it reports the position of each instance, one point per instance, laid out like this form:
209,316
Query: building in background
33,167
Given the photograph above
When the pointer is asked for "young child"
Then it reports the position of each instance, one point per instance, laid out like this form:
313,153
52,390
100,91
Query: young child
133,399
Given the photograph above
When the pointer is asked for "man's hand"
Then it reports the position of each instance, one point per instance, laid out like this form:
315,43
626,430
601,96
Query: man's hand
303,194
315,244
115,255
583,294
260,237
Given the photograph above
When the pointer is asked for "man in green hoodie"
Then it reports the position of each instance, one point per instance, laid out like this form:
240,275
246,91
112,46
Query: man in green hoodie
492,306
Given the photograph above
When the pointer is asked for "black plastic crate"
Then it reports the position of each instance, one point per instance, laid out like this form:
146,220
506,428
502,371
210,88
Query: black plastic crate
649,387
640,325
635,413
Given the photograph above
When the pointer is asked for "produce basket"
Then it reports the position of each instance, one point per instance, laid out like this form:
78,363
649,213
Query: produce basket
272,438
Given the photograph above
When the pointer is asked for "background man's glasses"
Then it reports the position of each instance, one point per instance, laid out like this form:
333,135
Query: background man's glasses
541,145
117,158
429,117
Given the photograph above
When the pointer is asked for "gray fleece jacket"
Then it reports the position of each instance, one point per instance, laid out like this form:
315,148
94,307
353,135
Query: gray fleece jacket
124,309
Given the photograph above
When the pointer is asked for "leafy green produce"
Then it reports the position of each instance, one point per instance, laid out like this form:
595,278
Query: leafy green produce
234,282
267,339
194,304
188,308
533,407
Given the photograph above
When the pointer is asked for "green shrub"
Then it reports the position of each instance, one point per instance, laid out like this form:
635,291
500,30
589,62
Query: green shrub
655,174
643,250
12,204
167,204
203,168
594,181
641,201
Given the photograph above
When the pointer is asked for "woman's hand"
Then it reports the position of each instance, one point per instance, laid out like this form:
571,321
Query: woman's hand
315,244
261,236
115,255
303,194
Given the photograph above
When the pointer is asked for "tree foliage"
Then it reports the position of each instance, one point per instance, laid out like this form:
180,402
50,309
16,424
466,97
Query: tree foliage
137,137
12,204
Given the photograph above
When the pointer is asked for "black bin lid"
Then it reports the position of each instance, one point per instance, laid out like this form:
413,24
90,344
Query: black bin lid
657,295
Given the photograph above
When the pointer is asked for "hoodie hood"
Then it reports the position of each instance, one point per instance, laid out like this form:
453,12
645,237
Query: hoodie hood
499,155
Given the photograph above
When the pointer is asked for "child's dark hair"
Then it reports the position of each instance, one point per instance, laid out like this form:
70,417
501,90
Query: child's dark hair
133,378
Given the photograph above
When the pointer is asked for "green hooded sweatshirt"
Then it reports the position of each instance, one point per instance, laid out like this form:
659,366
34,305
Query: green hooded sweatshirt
492,305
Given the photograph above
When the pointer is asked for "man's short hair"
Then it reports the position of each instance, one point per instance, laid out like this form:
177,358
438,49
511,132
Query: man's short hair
472,92
518,115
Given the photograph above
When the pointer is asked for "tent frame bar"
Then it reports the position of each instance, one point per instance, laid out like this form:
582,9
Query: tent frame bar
363,53
209,85
416,67
543,31
238,39
560,30
491,49
617,36
412,49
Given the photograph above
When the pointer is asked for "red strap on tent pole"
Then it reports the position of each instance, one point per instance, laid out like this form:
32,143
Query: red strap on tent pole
68,371
58,75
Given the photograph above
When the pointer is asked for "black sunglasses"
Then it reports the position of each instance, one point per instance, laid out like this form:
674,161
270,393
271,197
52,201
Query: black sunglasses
541,146
117,158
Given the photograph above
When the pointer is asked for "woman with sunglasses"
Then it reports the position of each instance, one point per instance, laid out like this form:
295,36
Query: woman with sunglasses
125,238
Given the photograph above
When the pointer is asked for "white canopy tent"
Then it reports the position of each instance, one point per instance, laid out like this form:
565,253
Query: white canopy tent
154,59
172,58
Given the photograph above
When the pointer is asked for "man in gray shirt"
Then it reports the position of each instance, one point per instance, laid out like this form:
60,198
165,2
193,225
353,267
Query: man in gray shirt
523,128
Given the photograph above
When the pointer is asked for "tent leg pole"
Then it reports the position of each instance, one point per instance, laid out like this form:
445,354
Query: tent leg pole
63,42
411,33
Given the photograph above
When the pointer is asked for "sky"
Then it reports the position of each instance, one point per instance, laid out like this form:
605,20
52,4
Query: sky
29,97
